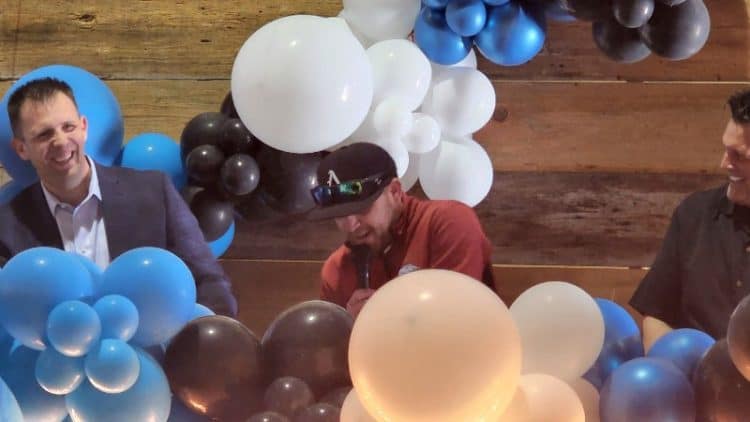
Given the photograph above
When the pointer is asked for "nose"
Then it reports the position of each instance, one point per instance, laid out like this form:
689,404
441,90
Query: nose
348,224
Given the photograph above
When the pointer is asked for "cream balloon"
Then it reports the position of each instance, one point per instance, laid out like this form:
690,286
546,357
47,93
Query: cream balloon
462,172
434,345
399,68
543,398
409,179
353,411
589,397
302,83
424,135
565,339
381,20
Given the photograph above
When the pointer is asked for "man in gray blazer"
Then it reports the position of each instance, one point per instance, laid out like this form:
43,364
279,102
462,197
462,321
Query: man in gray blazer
96,211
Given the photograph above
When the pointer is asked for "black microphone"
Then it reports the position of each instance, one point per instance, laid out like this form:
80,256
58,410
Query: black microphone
361,257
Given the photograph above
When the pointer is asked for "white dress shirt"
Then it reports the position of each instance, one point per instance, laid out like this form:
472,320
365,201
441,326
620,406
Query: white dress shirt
82,228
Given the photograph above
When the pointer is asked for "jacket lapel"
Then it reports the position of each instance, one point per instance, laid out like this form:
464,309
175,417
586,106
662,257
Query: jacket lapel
117,215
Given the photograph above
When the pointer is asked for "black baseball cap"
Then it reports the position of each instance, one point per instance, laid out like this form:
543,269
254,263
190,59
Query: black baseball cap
350,179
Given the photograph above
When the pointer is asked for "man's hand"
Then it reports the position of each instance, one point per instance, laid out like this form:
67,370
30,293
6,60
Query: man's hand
357,301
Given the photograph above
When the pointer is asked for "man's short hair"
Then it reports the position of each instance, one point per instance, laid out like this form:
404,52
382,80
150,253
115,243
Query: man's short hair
37,90
739,104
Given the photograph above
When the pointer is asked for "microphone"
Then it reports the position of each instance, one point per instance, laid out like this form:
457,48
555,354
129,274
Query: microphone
361,256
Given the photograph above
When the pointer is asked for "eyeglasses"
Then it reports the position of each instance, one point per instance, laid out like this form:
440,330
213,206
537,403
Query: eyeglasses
348,191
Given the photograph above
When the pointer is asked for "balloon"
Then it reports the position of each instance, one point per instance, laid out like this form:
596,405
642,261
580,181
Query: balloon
353,411
677,32
409,179
466,17
236,139
398,152
57,373
155,151
203,164
9,191
95,101
738,337
9,409
512,36
721,392
148,399
203,129
461,100
436,4
619,43
35,403
239,175
159,284
542,397
118,316
227,107
180,413
399,69
554,11
589,397
683,347
648,390
268,417
286,180
424,135
214,214
214,365
33,282
435,326
588,10
220,245
302,83
94,270
381,20
112,366
310,341
392,119
496,2
73,328
363,40
571,325
671,2
319,412
437,41
633,13
622,342
287,396
461,172
337,396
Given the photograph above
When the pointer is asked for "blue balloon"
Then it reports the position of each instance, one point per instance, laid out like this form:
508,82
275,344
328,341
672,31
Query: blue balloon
118,315
157,352
73,328
57,373
436,4
93,269
647,390
466,17
512,36
683,347
9,191
160,285
222,243
32,283
149,399
6,341
496,2
155,151
622,342
112,366
35,403
10,411
95,101
437,41
201,311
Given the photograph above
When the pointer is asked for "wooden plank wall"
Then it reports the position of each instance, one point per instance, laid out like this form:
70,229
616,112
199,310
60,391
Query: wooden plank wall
591,156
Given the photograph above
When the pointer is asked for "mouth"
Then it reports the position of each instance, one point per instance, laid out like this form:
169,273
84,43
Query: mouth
736,179
63,160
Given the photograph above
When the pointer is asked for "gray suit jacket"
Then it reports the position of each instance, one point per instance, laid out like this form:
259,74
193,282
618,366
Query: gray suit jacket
141,208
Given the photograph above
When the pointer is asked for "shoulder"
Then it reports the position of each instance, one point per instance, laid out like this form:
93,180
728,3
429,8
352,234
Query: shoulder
702,202
446,212
130,175
334,263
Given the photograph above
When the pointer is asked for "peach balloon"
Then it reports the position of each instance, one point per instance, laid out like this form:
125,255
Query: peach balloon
544,398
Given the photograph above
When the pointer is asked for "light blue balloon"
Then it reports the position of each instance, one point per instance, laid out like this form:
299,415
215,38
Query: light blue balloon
9,191
57,373
466,17
118,315
73,328
155,151
220,245
201,311
512,36
32,283
6,341
95,101
436,4
112,366
149,399
10,411
160,285
93,269
683,347
35,403
437,41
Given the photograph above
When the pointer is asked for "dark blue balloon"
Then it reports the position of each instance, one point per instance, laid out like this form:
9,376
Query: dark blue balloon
220,245
155,151
622,342
512,35
9,191
437,41
466,17
683,347
35,403
647,390
496,2
9,409
436,4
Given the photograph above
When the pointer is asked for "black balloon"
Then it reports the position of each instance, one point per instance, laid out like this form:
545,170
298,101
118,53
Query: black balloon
227,107
677,32
619,43
214,365
671,2
236,139
203,164
254,208
310,341
268,417
319,412
588,10
336,397
738,337
203,129
286,179
287,396
213,213
632,13
721,392
239,175
189,192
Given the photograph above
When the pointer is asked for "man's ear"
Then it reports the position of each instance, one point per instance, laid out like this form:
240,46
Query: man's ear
395,190
84,127
20,147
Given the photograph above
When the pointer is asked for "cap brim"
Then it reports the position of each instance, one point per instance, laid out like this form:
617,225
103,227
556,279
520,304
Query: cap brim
342,210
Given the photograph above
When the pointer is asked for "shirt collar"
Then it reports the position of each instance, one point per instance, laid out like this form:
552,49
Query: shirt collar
93,191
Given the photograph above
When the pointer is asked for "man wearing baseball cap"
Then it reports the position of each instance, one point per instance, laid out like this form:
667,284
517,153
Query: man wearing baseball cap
389,233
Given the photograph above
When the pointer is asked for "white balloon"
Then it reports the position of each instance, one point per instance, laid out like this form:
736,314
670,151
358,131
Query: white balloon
366,42
589,398
544,398
400,68
424,135
409,179
462,172
461,99
469,61
397,150
382,19
565,339
392,119
353,411
302,83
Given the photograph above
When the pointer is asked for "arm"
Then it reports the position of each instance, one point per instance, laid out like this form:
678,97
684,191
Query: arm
185,239
457,241
653,329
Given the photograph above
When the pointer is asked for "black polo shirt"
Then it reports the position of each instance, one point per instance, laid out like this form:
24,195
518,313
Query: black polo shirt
702,271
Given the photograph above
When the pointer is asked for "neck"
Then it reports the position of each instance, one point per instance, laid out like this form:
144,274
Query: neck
70,192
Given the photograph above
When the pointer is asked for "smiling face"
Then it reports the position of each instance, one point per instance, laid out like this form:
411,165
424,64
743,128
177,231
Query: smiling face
736,161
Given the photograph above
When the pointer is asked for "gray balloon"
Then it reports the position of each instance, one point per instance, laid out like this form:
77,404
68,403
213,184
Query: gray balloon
632,13
619,43
588,10
677,32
